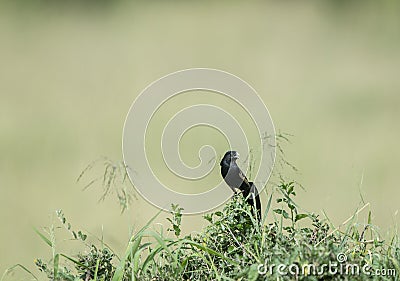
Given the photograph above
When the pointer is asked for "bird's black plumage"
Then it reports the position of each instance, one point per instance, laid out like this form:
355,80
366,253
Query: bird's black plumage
236,179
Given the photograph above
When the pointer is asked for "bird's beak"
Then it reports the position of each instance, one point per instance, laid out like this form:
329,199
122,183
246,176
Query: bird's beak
237,156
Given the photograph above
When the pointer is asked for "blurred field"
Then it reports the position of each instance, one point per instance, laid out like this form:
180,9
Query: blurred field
328,72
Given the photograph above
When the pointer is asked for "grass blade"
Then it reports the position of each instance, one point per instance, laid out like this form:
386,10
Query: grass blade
10,269
267,209
43,237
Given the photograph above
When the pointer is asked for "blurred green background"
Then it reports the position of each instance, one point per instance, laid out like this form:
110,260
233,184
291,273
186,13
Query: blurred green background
327,70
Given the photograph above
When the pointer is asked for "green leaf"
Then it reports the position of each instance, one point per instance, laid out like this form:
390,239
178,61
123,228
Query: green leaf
290,189
56,263
282,212
301,216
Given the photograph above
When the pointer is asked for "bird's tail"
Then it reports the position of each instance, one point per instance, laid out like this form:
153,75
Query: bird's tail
253,188
256,199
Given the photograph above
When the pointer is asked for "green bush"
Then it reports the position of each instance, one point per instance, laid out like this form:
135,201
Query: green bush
234,246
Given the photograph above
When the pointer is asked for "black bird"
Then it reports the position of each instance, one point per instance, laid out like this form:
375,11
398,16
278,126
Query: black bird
236,179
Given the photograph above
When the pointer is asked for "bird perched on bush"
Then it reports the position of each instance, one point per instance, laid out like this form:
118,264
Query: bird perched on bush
236,179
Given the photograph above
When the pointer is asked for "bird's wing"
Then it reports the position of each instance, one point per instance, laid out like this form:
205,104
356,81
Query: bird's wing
243,177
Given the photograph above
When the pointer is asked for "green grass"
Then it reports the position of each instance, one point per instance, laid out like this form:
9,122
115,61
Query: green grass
233,246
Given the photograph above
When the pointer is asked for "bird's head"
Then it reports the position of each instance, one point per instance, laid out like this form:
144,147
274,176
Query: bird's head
229,157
